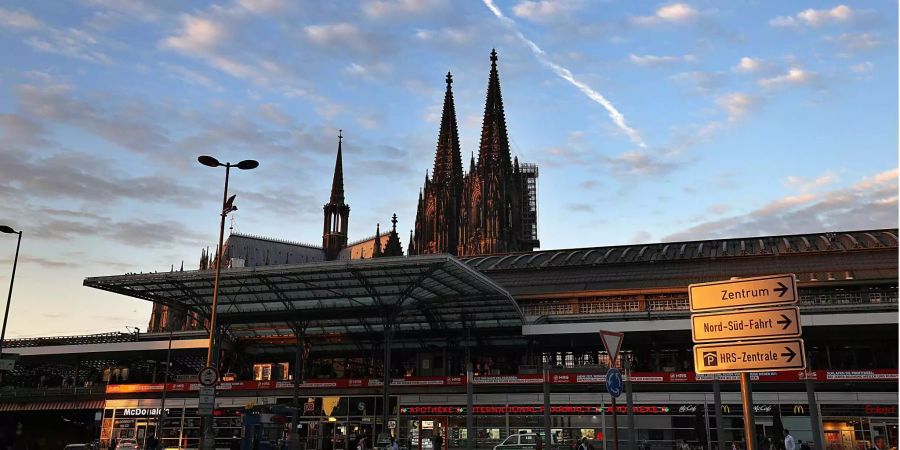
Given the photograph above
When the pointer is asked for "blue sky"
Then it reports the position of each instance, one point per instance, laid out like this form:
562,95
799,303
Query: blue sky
649,121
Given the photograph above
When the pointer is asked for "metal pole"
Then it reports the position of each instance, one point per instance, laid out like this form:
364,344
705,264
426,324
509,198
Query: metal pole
706,418
386,402
720,421
9,295
603,419
162,406
814,418
615,425
207,435
629,403
295,417
749,421
470,418
547,439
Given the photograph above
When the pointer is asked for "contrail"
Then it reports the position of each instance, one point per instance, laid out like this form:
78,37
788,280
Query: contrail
566,74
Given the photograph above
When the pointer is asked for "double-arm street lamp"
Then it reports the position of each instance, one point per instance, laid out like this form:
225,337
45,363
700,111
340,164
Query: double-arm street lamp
8,230
208,440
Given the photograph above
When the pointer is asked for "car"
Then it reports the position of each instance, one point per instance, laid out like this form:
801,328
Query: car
524,441
383,442
88,446
128,444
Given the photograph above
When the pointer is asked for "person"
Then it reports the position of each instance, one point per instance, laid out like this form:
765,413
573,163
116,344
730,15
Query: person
361,443
789,440
734,445
584,443
438,441
878,443
112,443
394,445
539,444
235,443
804,445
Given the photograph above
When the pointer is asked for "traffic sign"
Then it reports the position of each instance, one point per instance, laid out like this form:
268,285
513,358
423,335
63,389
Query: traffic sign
207,401
614,382
612,340
753,356
757,291
763,323
208,376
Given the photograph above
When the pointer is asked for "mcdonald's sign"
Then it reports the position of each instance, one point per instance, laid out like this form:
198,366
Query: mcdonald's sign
799,409
726,409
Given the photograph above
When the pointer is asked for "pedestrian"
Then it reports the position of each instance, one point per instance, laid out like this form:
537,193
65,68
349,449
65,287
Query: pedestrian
394,445
734,445
235,443
789,440
804,445
584,445
878,443
438,441
538,445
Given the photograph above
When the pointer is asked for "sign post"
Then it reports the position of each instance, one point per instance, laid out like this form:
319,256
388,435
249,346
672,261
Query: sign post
613,342
746,326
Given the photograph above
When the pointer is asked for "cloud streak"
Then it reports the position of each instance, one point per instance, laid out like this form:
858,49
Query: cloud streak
564,73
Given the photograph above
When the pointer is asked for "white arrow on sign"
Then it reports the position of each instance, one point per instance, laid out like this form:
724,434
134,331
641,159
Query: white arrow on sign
612,340
743,292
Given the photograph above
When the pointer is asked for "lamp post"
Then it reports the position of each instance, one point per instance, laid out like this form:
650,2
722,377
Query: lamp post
8,230
207,436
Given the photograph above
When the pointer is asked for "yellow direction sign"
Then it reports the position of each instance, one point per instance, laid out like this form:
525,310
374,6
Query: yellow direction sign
759,356
757,291
763,323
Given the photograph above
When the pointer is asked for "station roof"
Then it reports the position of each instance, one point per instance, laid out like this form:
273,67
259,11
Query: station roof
422,294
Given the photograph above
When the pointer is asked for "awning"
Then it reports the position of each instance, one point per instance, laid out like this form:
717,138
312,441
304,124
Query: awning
53,406
419,295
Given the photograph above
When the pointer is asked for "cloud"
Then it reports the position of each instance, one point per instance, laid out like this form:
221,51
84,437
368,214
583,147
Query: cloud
863,68
653,60
748,64
393,9
672,13
704,82
640,237
19,20
262,6
545,10
816,17
804,184
580,207
870,203
342,36
198,35
190,76
451,35
638,163
794,77
567,75
858,41
738,104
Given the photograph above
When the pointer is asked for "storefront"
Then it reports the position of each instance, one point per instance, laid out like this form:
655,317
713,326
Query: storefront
180,426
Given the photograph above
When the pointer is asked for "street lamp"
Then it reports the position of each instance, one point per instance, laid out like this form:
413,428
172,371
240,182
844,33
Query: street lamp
8,230
207,436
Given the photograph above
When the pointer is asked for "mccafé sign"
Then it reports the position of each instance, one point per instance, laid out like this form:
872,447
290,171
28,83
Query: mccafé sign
878,410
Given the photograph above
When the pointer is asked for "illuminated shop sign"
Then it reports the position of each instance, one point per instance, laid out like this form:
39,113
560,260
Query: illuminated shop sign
140,412
425,410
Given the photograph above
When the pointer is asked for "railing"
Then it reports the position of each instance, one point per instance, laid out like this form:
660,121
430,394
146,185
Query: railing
18,391
662,305
102,338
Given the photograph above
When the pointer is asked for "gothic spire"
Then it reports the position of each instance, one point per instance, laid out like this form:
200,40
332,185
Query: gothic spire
494,148
447,159
337,183
376,247
393,246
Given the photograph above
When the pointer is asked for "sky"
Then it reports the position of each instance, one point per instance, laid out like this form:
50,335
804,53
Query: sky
649,121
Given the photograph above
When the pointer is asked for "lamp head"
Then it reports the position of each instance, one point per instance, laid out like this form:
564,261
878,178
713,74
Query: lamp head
7,229
247,164
209,161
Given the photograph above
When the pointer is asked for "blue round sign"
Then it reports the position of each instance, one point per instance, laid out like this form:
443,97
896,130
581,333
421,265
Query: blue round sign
614,382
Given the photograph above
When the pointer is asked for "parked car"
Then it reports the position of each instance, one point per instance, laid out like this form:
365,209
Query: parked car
524,441
383,442
88,446
128,444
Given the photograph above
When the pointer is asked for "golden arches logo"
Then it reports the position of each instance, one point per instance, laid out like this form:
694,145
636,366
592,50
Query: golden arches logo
799,409
726,409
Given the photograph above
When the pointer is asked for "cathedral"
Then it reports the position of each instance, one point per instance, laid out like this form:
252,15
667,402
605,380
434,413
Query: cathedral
492,208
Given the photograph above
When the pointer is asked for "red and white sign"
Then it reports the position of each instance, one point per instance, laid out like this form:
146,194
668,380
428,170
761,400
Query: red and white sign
612,340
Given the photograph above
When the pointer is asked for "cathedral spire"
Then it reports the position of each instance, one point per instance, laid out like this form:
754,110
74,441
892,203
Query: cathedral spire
393,246
337,183
494,148
447,159
376,247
